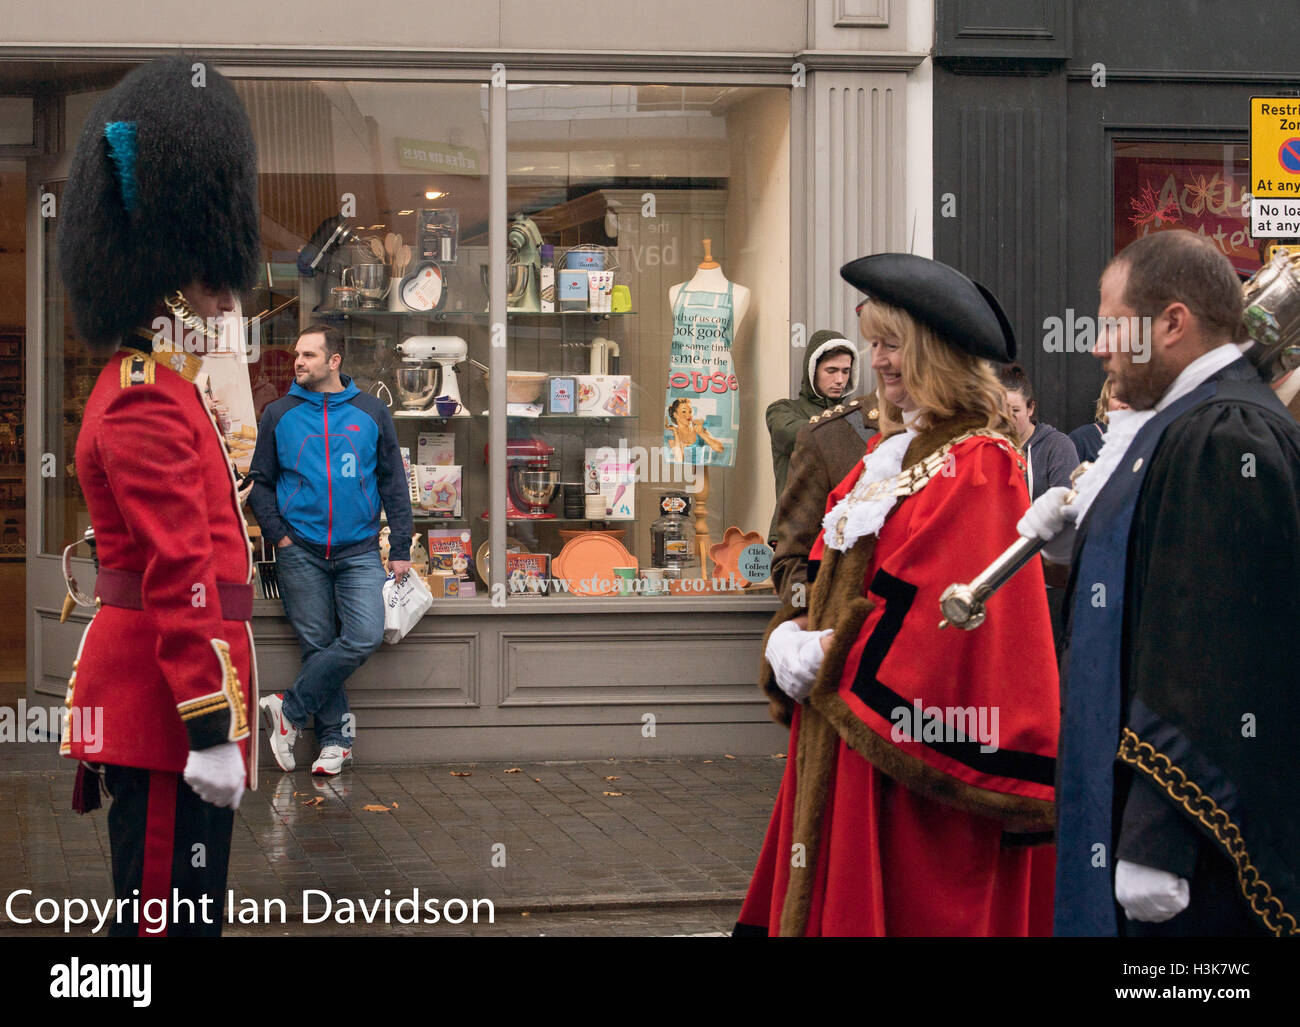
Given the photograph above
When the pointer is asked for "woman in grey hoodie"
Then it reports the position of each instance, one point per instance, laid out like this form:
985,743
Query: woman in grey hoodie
1050,453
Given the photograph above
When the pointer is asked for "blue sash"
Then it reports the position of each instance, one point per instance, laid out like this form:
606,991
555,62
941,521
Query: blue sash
1090,719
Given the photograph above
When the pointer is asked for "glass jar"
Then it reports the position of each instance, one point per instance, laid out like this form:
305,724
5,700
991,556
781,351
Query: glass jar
672,536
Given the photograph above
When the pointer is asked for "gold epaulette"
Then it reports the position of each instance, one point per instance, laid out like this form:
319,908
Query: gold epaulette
137,369
841,409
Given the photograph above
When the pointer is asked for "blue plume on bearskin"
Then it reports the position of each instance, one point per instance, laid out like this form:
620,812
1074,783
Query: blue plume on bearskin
120,136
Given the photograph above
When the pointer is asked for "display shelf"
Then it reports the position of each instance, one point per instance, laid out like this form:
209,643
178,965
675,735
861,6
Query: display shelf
569,418
471,316
424,415
564,520
595,315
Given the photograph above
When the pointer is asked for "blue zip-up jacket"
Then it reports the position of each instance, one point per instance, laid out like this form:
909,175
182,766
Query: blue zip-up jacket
324,464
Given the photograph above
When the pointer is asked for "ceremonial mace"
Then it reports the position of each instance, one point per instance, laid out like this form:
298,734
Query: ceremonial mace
1272,321
963,605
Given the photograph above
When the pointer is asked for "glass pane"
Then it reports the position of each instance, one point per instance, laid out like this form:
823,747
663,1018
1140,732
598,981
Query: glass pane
17,121
70,371
1194,185
400,169
628,348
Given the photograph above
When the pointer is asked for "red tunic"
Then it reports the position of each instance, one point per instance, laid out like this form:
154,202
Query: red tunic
891,860
174,675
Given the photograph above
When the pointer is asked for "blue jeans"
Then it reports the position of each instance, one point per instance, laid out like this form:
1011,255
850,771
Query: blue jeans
336,608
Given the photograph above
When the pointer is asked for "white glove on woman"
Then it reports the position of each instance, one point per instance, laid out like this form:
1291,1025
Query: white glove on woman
1148,894
1051,519
217,774
796,657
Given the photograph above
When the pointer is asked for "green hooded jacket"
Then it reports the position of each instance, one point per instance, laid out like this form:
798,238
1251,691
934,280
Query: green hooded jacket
786,416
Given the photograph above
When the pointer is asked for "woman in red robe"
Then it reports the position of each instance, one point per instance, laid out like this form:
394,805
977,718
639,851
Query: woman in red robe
918,793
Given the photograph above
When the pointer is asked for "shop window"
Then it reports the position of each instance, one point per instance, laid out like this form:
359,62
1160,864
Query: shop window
374,215
1197,186
637,436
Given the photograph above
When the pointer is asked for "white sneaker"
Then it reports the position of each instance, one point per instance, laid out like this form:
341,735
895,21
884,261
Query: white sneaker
283,734
332,759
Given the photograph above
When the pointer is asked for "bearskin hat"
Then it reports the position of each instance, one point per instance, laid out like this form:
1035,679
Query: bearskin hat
162,192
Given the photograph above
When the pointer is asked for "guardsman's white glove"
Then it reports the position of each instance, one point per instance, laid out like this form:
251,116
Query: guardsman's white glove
796,657
1148,894
1051,519
217,774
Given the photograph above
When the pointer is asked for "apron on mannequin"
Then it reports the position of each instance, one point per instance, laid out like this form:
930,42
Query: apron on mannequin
700,369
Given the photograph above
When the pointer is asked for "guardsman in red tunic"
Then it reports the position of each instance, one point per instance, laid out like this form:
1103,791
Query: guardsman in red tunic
160,220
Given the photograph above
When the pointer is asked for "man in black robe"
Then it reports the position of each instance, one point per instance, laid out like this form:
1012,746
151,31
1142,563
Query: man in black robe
1177,810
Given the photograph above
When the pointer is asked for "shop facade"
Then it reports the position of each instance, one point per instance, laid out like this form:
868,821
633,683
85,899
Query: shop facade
1059,139
779,156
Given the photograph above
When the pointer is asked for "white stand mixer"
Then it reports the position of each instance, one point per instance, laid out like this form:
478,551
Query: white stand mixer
422,357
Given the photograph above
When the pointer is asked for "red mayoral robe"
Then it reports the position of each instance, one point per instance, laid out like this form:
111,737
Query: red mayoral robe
918,792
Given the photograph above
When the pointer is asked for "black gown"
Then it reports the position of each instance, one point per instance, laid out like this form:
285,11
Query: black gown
1210,613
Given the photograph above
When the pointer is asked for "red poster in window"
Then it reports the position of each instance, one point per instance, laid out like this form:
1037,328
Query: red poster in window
1196,186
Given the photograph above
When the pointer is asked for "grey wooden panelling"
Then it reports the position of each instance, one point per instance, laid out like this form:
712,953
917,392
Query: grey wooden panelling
1034,29
852,175
628,666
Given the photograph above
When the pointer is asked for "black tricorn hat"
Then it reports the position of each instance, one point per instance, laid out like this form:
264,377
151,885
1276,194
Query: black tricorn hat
162,192
963,313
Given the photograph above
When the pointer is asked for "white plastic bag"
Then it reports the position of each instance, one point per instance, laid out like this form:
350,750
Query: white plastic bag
405,602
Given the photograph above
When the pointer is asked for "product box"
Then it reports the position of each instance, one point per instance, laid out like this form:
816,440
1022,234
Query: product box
436,448
604,395
563,396
548,289
439,486
605,474
411,486
600,284
527,574
571,289
443,584
449,550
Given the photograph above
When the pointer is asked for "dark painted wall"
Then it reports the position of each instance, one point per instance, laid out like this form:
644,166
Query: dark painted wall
1023,136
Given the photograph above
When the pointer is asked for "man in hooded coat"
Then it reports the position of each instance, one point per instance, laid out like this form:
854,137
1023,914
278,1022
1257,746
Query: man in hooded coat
830,377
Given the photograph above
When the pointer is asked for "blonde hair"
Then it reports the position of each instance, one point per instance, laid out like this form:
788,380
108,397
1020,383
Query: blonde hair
940,379
1103,403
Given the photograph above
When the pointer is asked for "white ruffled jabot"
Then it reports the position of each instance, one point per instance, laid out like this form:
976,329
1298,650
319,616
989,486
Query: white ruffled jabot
1122,426
866,516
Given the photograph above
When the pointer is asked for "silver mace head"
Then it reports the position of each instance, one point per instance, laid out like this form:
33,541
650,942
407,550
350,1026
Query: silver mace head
961,607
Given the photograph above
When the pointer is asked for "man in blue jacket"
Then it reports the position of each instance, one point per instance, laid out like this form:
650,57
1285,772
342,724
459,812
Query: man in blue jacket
326,460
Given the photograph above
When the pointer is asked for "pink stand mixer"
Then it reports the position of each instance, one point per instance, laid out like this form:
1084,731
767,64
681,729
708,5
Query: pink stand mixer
530,483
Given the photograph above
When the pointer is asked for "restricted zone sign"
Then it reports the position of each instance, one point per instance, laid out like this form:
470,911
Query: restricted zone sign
1275,166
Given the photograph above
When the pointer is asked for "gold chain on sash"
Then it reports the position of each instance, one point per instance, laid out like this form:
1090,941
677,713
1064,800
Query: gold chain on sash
909,481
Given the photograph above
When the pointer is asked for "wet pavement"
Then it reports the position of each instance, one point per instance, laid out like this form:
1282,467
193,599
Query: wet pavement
617,847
